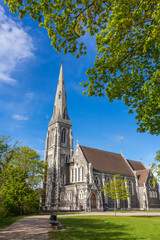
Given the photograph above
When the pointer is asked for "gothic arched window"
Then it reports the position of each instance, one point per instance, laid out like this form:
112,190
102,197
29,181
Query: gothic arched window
63,179
130,184
75,174
78,174
82,174
72,176
97,180
63,136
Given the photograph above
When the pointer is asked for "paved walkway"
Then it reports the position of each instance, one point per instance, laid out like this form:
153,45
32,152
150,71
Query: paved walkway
37,227
32,228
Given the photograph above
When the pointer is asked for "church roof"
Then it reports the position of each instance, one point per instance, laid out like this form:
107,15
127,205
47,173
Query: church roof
142,176
136,165
108,162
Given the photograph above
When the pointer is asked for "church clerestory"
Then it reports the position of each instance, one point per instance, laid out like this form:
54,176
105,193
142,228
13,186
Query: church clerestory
74,179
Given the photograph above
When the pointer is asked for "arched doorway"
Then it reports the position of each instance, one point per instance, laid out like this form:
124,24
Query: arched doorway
93,201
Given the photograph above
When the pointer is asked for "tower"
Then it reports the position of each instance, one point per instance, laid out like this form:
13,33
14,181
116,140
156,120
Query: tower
59,148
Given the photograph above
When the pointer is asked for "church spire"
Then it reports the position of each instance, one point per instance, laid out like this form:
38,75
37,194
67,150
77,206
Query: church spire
60,113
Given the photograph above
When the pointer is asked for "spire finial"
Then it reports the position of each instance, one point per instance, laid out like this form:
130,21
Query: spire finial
77,142
121,151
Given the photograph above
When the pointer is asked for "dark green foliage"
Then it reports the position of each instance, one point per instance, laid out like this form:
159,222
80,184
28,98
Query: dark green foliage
127,65
5,222
20,177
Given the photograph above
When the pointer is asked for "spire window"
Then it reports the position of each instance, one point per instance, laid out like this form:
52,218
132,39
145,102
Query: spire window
60,94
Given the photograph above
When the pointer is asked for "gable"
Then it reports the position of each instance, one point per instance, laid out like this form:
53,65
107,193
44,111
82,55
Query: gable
142,176
107,162
78,157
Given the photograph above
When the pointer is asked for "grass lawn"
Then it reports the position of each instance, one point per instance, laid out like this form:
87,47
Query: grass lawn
108,228
5,222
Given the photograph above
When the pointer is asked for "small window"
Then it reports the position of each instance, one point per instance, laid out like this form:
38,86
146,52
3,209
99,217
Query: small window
81,195
78,174
108,179
63,136
72,175
63,179
97,180
75,174
130,188
82,173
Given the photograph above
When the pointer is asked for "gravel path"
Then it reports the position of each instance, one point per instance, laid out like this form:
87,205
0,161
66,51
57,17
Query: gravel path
32,228
37,227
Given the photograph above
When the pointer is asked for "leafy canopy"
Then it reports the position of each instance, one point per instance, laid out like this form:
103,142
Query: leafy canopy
116,188
127,65
156,168
20,178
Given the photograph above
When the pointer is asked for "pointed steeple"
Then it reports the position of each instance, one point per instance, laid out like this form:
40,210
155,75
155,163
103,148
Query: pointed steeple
60,113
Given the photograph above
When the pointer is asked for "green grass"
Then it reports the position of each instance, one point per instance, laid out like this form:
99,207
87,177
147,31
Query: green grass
5,222
108,228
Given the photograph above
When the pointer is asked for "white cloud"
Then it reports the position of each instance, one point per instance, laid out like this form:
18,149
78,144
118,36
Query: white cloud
19,117
15,45
118,138
5,78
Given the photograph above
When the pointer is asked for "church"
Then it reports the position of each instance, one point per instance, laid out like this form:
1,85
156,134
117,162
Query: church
74,179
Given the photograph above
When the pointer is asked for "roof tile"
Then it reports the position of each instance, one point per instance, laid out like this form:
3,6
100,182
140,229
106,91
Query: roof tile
108,162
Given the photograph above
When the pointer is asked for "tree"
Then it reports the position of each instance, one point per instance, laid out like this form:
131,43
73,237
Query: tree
116,189
127,65
6,151
20,180
155,168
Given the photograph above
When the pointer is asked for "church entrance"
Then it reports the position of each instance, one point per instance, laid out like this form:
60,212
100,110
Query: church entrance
93,201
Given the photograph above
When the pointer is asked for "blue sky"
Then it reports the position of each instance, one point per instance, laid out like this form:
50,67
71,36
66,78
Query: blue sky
29,70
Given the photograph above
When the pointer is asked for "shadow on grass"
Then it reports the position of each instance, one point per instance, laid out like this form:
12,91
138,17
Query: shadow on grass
144,216
91,229
5,222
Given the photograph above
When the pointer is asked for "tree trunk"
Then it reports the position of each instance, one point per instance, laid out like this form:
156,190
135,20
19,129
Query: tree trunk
20,210
115,206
